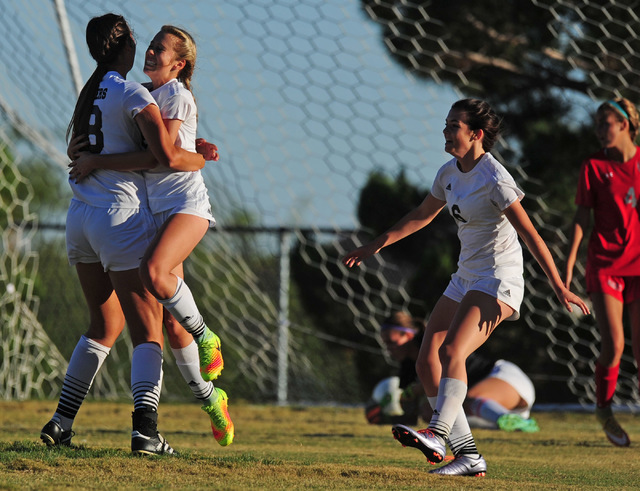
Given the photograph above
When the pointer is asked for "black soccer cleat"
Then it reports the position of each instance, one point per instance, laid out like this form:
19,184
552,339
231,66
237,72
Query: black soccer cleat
53,435
145,439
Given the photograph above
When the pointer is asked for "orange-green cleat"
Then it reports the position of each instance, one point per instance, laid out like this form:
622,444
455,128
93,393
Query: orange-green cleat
211,363
221,424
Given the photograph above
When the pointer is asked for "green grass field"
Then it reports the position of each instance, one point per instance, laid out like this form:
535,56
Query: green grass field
300,447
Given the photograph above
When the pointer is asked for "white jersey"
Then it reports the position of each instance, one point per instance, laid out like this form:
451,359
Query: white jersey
178,191
112,129
477,200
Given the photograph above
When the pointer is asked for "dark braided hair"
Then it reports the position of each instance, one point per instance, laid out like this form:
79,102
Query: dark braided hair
480,116
107,36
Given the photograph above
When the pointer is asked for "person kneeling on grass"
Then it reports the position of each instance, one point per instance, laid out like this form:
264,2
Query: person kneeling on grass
500,394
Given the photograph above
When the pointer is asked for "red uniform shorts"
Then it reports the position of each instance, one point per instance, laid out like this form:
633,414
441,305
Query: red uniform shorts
624,288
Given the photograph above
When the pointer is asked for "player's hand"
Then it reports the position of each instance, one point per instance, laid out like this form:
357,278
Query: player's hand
76,145
355,257
81,167
208,150
567,298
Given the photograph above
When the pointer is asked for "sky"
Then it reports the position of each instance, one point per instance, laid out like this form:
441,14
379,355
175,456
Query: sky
302,98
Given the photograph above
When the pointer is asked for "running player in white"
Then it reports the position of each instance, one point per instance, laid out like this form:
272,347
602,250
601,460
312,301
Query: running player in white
180,205
487,288
108,229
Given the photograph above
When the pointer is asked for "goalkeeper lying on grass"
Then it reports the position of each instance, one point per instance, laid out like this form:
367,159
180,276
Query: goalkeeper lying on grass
500,394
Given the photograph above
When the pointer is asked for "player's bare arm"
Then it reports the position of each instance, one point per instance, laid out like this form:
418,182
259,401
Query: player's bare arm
416,219
580,224
518,217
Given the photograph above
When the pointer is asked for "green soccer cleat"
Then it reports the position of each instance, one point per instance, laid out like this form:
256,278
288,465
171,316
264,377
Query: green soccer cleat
211,363
515,422
221,424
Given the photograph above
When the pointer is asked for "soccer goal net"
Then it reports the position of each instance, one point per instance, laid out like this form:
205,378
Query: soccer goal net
305,99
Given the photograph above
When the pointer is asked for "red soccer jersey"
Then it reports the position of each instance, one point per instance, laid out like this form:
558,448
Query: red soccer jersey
611,189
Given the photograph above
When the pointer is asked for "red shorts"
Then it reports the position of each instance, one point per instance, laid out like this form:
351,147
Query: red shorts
624,288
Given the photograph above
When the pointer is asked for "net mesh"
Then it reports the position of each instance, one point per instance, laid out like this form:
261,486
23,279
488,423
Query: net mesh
304,101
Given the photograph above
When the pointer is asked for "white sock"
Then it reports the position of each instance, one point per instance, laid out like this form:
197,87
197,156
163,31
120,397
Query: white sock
87,358
451,394
189,365
460,437
488,409
146,375
432,401
183,307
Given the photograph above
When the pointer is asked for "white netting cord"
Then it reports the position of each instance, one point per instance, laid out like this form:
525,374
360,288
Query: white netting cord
304,102
611,63
30,365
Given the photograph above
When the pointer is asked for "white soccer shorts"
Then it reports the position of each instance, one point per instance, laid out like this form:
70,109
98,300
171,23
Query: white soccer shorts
514,376
509,290
115,237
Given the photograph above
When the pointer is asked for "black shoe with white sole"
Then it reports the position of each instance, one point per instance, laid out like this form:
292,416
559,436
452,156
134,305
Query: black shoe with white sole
145,439
53,435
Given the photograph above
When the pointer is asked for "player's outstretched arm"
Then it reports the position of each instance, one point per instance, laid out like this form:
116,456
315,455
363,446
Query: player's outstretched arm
162,145
179,159
413,221
86,162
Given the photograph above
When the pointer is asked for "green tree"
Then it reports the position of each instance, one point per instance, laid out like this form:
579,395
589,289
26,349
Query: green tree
534,64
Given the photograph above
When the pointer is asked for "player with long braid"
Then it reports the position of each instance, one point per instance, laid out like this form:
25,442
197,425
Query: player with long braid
180,205
108,229
487,288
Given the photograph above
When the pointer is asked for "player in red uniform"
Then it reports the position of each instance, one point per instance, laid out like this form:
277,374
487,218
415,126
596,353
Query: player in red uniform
609,185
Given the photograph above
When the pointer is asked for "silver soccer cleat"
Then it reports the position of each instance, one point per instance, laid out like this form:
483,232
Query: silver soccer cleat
464,465
424,440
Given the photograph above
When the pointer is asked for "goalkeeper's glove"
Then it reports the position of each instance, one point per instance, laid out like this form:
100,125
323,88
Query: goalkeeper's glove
374,414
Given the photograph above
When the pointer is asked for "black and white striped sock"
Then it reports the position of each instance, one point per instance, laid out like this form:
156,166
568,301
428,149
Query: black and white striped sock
146,376
87,358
